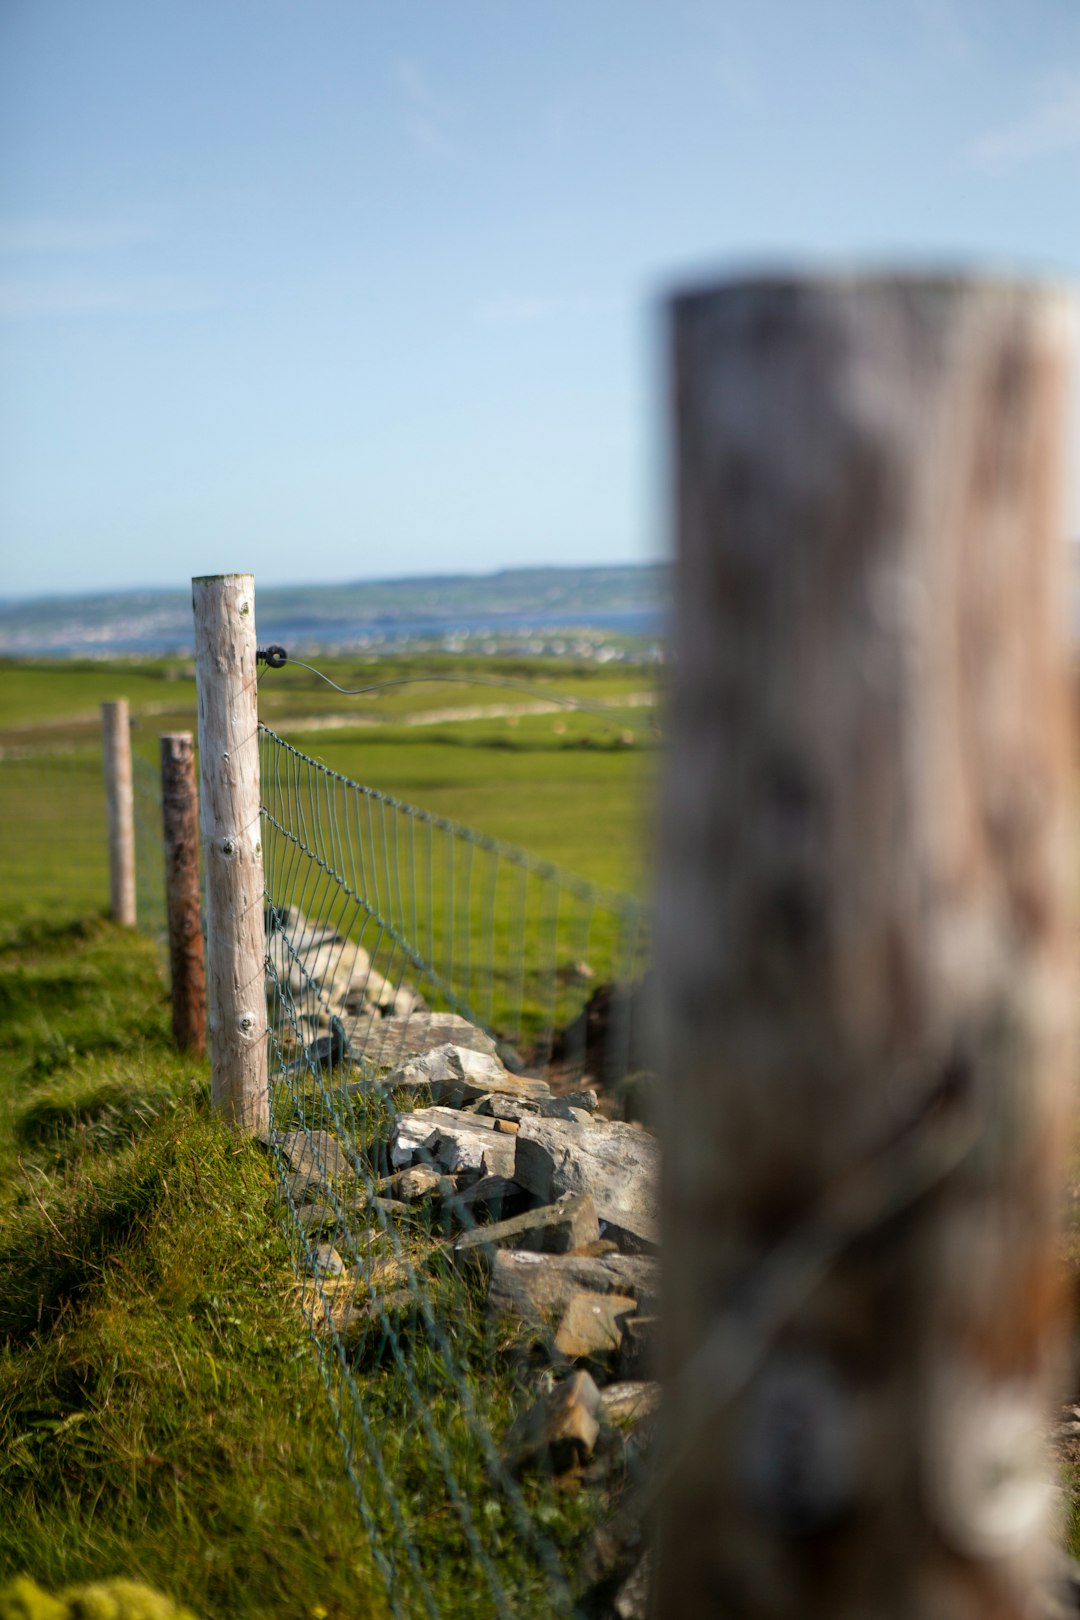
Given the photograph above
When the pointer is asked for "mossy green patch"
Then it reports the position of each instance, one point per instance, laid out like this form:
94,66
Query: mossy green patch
117,1599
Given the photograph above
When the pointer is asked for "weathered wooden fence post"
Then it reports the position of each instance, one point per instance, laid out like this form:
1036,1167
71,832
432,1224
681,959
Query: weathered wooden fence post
120,803
866,902
180,820
225,671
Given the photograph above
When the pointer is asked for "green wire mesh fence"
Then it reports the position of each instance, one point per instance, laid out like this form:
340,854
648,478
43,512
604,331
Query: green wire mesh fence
437,1003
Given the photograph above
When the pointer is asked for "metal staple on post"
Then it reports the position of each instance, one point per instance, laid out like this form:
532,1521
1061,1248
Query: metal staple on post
225,675
864,948
180,820
119,798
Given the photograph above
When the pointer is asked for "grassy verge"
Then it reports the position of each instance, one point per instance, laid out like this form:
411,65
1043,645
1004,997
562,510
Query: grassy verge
163,1416
161,1413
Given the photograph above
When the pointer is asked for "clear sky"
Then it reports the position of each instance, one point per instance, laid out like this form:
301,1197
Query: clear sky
337,289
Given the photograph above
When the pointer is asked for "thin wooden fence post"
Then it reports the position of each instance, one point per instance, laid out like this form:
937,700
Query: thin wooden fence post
864,951
225,678
183,907
120,803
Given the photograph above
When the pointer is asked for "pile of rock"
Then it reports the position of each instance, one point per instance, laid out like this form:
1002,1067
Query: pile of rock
570,1254
317,974
556,1205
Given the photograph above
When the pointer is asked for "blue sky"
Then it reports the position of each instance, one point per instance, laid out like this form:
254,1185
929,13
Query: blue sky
338,289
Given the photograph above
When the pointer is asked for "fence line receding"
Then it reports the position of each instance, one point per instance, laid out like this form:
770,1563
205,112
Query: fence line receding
411,962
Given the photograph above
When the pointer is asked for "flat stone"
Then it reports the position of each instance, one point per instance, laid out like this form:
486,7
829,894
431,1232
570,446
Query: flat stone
417,1182
494,1194
497,1159
415,1132
552,1230
313,1217
592,1325
306,957
637,1358
559,1431
315,1155
459,1074
302,1186
392,1041
363,990
452,1141
616,1162
586,1100
301,959
629,1401
322,1213
392,1206
539,1287
328,1263
515,1109
301,932
632,1599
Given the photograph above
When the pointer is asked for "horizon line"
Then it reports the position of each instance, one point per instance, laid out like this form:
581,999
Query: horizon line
31,596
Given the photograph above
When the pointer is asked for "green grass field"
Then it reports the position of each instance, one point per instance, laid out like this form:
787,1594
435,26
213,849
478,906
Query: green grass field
162,1411
573,788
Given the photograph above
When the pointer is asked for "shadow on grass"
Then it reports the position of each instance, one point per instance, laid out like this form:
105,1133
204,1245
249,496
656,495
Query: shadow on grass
68,1119
51,1253
41,935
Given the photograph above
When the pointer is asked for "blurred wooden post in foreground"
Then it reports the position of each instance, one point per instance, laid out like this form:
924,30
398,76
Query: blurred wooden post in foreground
180,818
120,805
864,954
225,671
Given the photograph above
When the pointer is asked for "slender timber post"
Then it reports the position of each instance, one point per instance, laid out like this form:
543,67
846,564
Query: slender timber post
225,670
866,901
120,803
180,818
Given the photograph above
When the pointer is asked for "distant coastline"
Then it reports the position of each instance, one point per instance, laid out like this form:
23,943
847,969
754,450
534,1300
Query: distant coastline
598,612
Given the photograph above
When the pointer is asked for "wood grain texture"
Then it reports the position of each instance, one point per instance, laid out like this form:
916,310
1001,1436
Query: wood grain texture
864,953
225,678
183,902
120,808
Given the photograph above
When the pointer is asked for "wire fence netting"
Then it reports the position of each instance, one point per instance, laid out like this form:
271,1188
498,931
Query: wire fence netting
443,1010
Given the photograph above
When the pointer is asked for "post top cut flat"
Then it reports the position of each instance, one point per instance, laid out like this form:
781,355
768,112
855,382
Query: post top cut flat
941,283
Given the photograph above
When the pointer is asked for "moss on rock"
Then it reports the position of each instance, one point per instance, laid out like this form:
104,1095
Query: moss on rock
101,1600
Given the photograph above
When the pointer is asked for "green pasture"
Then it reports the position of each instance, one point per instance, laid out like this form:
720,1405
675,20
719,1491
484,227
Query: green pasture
66,694
571,788
57,702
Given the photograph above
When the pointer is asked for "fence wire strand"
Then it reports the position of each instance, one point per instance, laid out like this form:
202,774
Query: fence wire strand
390,933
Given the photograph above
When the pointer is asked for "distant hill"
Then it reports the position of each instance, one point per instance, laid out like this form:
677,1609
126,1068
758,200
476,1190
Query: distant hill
626,600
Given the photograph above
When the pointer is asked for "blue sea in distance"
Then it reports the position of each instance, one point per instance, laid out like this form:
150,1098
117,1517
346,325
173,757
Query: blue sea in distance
151,634
500,626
